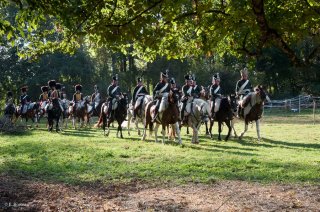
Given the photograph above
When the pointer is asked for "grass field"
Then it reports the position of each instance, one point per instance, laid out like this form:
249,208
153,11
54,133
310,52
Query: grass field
288,153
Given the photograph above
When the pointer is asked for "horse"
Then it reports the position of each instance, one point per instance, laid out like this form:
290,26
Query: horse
224,114
65,113
252,105
119,114
9,111
96,111
31,113
54,113
79,112
169,116
140,116
199,111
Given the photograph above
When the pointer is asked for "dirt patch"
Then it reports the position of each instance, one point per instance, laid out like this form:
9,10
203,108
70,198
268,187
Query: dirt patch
30,195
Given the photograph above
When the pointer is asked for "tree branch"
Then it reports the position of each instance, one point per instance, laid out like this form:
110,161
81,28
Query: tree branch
316,9
135,17
244,48
268,33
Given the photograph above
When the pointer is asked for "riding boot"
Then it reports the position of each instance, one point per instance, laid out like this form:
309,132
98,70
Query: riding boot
155,115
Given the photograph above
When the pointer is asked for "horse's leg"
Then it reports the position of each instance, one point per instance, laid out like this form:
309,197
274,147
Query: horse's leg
136,122
128,124
210,128
120,129
57,124
163,132
258,129
245,130
219,130
207,128
156,132
187,130
177,129
233,128
74,122
229,129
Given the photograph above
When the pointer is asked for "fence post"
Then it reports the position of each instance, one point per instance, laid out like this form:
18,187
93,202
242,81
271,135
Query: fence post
314,111
299,103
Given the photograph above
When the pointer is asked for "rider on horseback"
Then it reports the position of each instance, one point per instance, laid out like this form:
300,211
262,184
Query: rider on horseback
43,98
243,88
139,93
54,95
9,108
160,93
196,88
24,100
175,89
95,98
77,96
187,96
215,94
113,94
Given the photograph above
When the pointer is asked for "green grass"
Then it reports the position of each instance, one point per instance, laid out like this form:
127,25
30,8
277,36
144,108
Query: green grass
288,153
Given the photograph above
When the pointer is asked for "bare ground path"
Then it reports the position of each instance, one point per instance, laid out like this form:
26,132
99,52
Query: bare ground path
23,194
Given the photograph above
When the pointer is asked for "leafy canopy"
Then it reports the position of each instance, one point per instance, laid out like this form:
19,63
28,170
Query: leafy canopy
176,29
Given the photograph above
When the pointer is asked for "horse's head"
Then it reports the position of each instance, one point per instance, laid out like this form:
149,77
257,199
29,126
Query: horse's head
204,93
172,98
87,99
261,94
233,102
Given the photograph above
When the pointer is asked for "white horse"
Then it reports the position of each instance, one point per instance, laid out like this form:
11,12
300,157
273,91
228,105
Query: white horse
140,116
252,106
198,112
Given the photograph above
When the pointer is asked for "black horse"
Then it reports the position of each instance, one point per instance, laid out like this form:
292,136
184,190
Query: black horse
54,113
119,115
224,114
9,111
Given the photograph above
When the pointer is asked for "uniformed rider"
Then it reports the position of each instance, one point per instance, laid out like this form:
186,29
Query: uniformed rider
95,98
196,88
114,94
187,96
160,94
215,93
43,98
24,100
138,95
243,88
77,96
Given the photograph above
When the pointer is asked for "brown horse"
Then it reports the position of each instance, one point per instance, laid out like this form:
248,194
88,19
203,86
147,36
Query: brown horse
79,112
31,113
119,115
252,105
168,117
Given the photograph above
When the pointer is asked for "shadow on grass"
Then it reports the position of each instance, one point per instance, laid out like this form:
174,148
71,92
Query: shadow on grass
57,162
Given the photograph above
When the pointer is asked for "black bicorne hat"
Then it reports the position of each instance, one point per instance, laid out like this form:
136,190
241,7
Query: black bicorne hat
52,83
96,87
139,79
115,77
58,86
216,76
44,88
172,81
165,74
9,94
24,88
188,77
78,87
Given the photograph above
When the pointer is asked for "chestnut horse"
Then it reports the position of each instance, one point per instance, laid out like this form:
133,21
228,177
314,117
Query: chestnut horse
169,116
252,105
31,113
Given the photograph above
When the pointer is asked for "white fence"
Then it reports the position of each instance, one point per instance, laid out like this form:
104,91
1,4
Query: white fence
295,104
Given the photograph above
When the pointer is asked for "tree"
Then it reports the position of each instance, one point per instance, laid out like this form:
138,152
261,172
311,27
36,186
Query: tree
175,28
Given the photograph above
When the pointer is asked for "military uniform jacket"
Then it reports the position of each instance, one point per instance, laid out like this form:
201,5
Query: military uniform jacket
246,89
113,91
77,97
197,91
187,91
139,90
215,91
24,98
44,97
162,87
